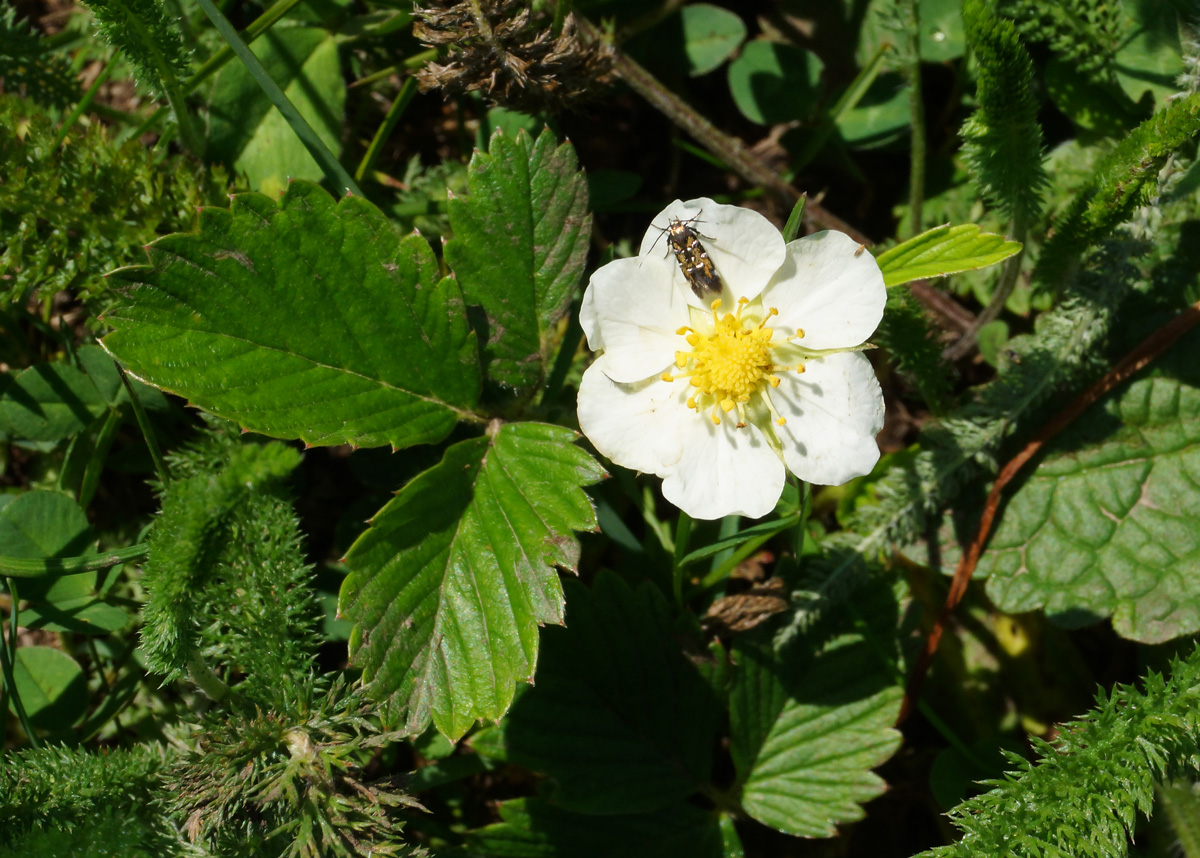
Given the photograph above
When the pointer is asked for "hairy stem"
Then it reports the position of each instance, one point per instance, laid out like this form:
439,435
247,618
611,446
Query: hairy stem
1009,275
916,107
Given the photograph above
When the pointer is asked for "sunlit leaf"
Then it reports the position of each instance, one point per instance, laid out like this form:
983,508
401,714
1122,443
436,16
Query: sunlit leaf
449,585
1109,523
304,319
943,250
520,242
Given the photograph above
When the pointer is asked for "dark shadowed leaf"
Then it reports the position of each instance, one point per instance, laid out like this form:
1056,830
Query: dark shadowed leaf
536,829
812,718
619,719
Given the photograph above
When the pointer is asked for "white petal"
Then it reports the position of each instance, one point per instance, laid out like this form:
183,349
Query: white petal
588,321
632,308
637,425
834,410
745,247
836,297
724,471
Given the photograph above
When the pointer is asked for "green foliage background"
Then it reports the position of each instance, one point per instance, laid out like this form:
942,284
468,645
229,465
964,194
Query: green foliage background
303,555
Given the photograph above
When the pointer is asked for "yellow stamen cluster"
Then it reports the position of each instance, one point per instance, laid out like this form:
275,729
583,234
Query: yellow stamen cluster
732,364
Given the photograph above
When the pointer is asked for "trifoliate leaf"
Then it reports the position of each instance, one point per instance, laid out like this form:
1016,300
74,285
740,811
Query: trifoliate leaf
301,319
1109,523
619,720
44,524
449,585
531,827
773,82
51,685
943,250
812,719
710,35
520,243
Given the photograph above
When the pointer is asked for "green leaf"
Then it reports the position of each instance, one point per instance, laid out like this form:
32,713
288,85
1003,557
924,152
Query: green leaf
880,117
449,585
41,524
1149,58
48,402
44,524
530,828
710,35
619,719
301,319
811,719
943,250
773,82
246,130
520,243
1109,523
70,604
942,36
51,686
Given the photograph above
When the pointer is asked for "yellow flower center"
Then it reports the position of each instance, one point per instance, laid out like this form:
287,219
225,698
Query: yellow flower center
732,363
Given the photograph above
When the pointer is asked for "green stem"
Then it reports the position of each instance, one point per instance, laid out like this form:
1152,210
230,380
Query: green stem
385,129
189,131
848,100
143,421
79,108
722,572
36,567
916,106
95,465
1009,276
683,534
561,10
214,63
917,117
207,681
413,62
330,165
8,654
257,27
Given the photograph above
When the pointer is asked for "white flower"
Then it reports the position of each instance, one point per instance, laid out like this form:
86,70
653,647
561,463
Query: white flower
720,396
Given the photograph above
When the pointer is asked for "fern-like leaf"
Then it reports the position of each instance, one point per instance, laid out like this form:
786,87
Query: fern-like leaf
141,29
1121,183
1084,796
61,789
28,66
224,564
1085,33
70,213
906,333
1002,141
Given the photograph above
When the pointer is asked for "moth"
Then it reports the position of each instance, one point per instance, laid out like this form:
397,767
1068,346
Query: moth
693,259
